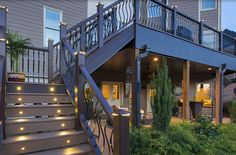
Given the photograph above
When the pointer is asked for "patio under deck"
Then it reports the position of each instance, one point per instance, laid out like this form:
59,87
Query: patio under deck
114,71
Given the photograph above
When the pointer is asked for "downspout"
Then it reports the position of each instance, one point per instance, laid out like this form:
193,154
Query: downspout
222,71
138,73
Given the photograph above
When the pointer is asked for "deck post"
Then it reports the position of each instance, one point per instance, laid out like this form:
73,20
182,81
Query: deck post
114,19
221,42
63,28
219,94
50,60
186,81
136,10
134,109
121,132
3,28
100,24
201,32
174,20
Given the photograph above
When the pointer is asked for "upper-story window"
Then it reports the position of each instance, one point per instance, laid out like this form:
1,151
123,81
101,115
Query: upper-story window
208,4
52,19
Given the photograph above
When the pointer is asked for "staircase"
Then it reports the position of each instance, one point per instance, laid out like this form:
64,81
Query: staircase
40,120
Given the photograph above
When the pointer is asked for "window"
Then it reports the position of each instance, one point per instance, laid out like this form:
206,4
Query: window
208,4
52,19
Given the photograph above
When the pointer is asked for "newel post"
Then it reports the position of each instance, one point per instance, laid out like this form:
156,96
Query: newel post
100,24
121,132
174,26
63,27
3,14
201,32
136,11
221,41
50,60
79,85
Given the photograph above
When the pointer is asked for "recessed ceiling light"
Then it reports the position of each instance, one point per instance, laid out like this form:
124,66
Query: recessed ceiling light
209,69
155,59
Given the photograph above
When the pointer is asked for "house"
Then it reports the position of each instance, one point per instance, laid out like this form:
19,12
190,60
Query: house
79,91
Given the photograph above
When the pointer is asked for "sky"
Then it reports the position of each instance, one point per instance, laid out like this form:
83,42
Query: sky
229,14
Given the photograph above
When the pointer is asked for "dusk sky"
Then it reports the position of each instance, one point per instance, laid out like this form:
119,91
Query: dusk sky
229,14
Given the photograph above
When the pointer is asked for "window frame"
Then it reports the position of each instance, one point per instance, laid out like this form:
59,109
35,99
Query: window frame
208,9
44,21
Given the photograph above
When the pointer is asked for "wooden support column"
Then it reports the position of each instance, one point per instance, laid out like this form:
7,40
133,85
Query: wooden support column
218,97
186,90
134,108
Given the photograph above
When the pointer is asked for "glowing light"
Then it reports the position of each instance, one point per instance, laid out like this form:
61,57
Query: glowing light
58,111
68,141
55,99
22,148
22,129
18,88
209,69
63,125
155,59
19,99
52,89
21,112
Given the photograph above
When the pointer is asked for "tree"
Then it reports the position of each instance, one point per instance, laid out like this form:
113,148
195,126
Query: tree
162,98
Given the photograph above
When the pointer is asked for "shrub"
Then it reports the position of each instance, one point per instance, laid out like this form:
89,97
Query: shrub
180,139
204,126
139,142
232,112
162,100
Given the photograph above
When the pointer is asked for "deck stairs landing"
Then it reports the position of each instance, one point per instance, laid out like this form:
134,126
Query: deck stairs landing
40,120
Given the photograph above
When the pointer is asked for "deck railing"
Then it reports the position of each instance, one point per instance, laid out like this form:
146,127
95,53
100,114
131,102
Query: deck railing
34,63
161,17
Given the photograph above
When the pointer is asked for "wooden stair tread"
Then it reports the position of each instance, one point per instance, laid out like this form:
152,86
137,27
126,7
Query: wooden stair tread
73,150
36,120
37,94
32,83
38,136
38,106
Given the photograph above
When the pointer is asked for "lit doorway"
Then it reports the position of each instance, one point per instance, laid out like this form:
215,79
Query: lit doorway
112,91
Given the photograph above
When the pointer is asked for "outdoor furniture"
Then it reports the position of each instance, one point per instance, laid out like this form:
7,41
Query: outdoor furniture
195,108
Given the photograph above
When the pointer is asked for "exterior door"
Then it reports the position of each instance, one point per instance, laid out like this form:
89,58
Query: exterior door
112,91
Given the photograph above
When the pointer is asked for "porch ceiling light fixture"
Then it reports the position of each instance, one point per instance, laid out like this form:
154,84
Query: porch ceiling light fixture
209,69
155,59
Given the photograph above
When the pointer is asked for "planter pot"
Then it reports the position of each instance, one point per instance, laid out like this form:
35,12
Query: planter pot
16,77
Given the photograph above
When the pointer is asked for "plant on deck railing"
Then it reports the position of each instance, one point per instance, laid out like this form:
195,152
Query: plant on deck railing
16,48
162,99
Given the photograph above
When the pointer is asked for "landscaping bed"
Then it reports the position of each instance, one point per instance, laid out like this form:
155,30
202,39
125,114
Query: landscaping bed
201,137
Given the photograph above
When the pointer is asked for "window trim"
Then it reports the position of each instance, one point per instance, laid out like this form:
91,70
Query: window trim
44,21
201,9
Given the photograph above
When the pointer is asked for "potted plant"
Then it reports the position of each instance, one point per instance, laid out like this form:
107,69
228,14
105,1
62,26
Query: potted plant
16,48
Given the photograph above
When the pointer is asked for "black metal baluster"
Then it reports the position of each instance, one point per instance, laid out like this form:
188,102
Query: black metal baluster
28,71
44,67
39,67
33,64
